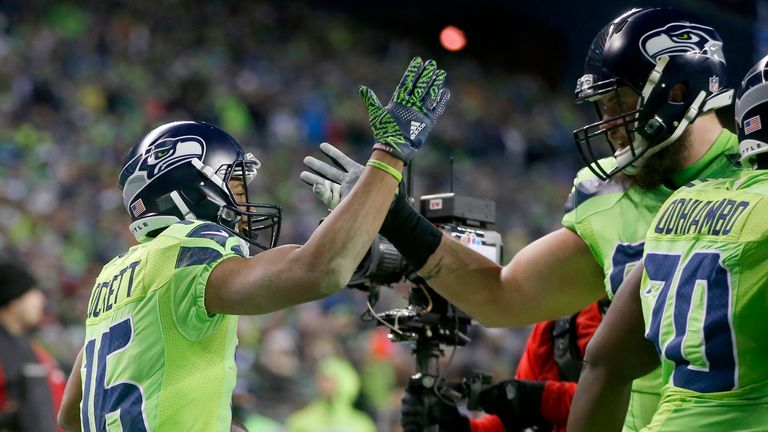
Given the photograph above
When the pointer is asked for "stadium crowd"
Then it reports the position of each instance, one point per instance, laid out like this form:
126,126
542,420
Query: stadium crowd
78,87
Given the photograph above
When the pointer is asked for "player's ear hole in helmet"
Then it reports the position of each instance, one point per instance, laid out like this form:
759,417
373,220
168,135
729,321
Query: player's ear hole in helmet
663,68
751,112
191,170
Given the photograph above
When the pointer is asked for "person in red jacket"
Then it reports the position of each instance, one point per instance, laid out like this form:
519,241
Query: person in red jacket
31,384
539,396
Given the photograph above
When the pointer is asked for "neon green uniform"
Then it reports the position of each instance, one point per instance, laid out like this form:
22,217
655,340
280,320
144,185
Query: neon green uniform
613,222
154,359
705,297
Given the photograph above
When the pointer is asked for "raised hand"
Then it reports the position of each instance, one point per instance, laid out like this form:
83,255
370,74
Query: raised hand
402,126
331,183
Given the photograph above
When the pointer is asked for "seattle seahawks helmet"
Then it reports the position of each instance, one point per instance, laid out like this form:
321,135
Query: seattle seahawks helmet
751,112
648,51
184,171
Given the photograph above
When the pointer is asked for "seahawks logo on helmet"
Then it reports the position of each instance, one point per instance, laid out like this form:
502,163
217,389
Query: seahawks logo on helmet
157,159
682,38
170,152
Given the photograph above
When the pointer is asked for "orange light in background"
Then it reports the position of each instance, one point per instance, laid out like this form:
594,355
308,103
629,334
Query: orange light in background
452,38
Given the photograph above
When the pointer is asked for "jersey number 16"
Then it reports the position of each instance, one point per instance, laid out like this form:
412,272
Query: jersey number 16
124,399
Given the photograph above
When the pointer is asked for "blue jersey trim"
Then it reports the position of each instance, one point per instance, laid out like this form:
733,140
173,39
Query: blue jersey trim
211,231
191,256
236,249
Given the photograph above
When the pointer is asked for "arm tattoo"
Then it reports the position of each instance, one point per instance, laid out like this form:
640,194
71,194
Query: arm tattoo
435,271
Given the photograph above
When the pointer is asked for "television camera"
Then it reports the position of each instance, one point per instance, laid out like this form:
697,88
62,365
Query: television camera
429,321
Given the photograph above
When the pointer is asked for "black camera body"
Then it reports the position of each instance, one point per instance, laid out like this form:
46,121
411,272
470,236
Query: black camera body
469,220
430,321
429,318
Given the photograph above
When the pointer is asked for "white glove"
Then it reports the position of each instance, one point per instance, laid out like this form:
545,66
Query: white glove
331,183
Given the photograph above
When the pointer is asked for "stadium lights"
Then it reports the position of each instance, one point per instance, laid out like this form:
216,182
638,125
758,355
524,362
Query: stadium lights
452,38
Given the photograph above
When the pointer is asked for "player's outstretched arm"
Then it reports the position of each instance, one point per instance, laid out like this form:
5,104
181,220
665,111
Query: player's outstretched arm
69,412
551,277
616,355
290,275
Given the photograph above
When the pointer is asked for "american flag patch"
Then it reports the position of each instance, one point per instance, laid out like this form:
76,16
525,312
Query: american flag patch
752,124
137,208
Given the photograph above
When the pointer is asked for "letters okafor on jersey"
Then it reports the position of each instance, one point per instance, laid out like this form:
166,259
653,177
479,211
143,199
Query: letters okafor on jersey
647,51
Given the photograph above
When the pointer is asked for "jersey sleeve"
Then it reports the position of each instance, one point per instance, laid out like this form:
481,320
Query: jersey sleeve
201,249
585,207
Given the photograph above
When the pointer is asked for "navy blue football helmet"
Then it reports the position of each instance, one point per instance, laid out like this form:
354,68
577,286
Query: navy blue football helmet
648,51
751,112
184,171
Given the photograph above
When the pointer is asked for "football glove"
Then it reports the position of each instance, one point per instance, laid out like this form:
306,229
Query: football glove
517,403
331,183
402,126
440,413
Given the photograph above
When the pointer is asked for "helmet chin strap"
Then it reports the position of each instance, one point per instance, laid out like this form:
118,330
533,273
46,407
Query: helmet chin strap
185,211
228,215
646,150
641,145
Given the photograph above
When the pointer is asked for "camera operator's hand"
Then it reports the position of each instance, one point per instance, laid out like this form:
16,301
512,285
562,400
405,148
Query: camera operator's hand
440,413
331,183
402,126
517,403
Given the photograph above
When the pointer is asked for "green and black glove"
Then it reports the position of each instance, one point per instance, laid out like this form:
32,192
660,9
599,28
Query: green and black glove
402,126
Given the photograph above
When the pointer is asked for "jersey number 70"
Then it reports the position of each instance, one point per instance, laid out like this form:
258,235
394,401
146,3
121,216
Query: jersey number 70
701,345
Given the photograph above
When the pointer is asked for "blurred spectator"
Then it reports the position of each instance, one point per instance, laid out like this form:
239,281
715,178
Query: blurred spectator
337,386
31,385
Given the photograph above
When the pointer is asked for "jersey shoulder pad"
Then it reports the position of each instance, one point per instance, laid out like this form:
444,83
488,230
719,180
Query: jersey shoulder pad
696,184
587,186
202,234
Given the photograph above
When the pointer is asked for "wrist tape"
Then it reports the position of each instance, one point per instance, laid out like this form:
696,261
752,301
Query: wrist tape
411,233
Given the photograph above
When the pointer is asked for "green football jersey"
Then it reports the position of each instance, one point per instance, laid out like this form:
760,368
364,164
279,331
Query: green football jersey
613,221
154,358
705,295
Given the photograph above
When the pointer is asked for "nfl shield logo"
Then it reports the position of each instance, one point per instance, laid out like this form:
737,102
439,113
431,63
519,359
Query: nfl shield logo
714,84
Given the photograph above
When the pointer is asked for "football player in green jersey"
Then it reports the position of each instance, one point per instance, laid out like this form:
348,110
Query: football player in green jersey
697,303
656,76
162,317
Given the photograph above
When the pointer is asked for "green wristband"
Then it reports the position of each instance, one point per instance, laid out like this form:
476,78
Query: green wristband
386,168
